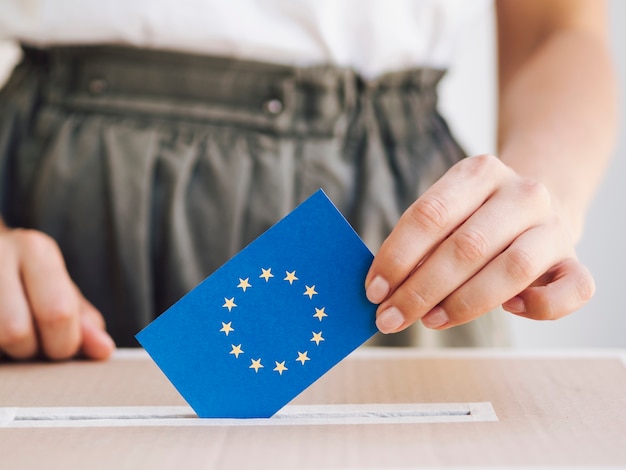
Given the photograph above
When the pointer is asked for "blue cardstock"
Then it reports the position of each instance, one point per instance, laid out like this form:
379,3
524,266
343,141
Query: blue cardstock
272,320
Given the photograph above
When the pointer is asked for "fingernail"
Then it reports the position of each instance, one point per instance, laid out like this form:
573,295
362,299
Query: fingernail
435,318
390,320
377,290
515,305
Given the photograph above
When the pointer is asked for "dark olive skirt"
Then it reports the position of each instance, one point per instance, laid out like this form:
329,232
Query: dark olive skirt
151,169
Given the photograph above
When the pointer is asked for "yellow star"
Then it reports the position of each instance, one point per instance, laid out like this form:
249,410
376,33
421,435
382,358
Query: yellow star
310,291
317,337
236,350
229,303
280,367
226,328
244,284
319,313
267,273
256,365
302,357
291,276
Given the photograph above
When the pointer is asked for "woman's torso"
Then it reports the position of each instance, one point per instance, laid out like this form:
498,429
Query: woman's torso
371,36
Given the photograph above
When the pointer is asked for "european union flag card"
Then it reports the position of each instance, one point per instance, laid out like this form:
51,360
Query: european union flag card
272,320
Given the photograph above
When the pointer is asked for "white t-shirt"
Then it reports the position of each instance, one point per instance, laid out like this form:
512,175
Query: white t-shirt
372,36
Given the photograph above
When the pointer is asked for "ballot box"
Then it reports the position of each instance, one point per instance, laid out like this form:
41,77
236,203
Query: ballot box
379,408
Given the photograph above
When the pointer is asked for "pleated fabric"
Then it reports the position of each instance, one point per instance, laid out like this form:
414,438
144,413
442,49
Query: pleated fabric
151,169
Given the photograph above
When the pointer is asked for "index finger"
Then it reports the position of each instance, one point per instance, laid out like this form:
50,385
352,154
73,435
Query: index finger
429,220
17,332
52,296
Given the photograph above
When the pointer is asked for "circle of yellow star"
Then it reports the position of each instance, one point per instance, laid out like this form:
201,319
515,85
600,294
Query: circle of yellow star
236,350
229,303
226,328
244,284
256,364
267,273
310,291
302,357
291,276
320,313
280,367
317,337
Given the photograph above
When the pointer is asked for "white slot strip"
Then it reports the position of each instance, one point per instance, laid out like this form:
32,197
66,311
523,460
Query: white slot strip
141,416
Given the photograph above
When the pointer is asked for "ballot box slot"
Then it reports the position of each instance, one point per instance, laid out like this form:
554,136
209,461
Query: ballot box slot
379,413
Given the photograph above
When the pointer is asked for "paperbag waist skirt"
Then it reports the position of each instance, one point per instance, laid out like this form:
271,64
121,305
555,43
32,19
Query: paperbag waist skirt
151,169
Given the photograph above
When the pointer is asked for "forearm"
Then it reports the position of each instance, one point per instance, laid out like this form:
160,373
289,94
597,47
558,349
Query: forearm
558,116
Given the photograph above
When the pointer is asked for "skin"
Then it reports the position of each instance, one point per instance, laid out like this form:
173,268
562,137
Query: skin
502,231
491,231
42,312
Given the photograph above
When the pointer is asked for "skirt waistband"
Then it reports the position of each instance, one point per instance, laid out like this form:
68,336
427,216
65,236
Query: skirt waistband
308,99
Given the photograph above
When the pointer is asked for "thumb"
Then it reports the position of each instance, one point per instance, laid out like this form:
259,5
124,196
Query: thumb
96,342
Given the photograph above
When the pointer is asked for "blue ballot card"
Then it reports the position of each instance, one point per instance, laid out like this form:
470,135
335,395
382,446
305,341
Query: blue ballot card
272,320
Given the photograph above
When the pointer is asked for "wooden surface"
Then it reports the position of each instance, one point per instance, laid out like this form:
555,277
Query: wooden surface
553,411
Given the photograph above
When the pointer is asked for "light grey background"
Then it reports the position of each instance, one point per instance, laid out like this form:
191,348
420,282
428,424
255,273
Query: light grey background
468,101
602,322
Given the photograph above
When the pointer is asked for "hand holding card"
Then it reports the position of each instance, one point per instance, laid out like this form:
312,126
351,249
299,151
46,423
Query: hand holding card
272,320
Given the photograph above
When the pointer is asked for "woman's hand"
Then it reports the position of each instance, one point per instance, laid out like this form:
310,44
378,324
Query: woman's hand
42,312
480,237
502,231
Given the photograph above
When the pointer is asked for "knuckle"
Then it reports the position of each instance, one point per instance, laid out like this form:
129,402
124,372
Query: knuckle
470,246
13,333
429,211
396,258
463,306
417,299
480,165
56,314
535,191
521,267
36,243
466,304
